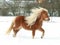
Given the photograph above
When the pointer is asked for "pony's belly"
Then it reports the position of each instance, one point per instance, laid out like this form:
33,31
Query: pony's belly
30,27
26,27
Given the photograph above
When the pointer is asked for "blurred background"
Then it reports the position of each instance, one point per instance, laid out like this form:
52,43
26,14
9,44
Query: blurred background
23,7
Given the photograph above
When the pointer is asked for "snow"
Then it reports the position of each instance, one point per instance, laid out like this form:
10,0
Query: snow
24,37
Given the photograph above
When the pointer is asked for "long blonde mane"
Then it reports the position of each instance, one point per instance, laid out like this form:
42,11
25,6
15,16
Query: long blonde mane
30,20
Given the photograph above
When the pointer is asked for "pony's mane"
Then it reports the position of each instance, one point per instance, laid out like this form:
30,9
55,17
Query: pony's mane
34,15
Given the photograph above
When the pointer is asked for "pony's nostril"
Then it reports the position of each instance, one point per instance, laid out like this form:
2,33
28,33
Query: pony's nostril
47,19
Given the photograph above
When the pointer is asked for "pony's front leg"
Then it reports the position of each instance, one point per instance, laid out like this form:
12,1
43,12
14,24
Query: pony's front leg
42,30
33,33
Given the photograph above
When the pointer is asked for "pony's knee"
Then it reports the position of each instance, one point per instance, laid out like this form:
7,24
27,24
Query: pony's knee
41,29
15,30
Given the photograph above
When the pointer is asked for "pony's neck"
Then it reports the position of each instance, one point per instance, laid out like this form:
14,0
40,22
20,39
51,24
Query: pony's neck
30,20
40,19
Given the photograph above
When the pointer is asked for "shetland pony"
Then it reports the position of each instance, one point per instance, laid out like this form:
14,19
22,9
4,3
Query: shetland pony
32,22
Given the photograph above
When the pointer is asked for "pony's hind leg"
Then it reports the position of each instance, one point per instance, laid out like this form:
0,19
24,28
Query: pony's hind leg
42,30
15,30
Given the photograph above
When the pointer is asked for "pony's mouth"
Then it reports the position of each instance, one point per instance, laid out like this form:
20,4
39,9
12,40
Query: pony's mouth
47,19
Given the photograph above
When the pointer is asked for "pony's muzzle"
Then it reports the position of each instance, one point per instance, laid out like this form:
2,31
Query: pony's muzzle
47,19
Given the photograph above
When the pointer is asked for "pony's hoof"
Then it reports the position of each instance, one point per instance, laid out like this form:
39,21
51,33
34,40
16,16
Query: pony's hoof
41,37
32,37
14,35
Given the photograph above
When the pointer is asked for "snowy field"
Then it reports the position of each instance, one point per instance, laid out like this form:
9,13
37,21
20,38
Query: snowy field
24,37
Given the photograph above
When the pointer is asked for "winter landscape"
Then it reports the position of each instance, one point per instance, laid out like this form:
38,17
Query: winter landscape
24,37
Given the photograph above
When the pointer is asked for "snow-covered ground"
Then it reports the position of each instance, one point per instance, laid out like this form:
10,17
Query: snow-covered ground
24,37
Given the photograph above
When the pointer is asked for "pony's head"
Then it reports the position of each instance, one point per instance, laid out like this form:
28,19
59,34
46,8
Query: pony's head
42,13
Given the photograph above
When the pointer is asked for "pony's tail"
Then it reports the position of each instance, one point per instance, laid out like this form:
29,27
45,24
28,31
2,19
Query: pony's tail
9,30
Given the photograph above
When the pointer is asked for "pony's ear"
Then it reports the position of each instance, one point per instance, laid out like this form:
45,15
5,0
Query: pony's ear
39,1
